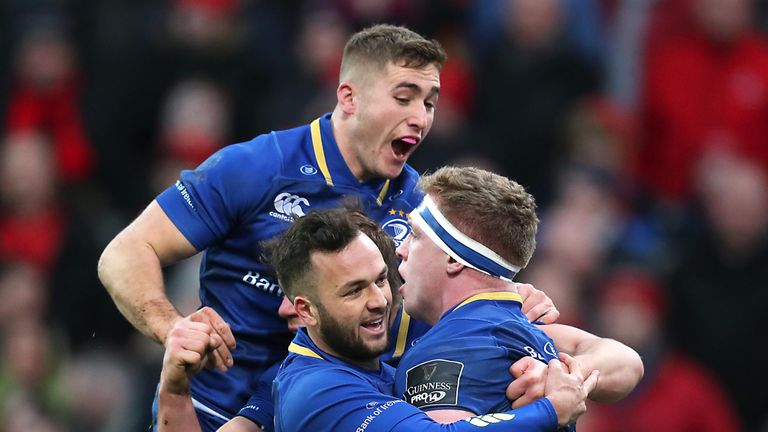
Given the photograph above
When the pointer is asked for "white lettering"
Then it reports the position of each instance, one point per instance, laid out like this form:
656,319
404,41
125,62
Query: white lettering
371,417
184,193
255,279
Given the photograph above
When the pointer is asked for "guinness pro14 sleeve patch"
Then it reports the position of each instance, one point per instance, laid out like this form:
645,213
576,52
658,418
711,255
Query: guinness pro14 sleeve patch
435,382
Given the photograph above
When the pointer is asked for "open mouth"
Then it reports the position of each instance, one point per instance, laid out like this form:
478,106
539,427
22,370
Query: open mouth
374,325
402,147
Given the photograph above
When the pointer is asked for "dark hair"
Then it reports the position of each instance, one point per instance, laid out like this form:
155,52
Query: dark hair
384,43
383,241
324,231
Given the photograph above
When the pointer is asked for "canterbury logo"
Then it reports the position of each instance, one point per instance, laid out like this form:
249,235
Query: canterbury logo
485,420
290,205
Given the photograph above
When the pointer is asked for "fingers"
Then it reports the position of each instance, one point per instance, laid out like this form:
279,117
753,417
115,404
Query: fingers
519,367
536,305
221,356
515,392
546,313
530,381
221,327
591,382
556,366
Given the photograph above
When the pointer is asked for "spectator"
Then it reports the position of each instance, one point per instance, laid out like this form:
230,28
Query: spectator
704,89
724,259
31,222
45,97
677,394
527,85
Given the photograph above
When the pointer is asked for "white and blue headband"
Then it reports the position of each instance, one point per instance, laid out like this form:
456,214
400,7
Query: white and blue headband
458,245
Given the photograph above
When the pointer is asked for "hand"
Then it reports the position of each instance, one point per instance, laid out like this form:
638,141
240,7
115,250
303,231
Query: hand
536,305
530,381
567,389
221,357
188,347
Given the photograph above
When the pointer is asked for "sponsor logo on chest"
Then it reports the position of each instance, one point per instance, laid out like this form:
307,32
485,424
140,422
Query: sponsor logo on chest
435,382
256,280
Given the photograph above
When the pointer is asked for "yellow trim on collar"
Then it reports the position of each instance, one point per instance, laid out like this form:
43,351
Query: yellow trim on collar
402,333
383,192
317,145
298,349
498,295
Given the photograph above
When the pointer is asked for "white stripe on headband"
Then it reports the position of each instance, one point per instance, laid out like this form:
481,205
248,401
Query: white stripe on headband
458,245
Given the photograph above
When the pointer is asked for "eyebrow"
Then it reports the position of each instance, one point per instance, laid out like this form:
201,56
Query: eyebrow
415,88
358,282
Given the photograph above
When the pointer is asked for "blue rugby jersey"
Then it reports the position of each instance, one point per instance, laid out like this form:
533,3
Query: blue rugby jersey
250,192
463,361
317,392
404,333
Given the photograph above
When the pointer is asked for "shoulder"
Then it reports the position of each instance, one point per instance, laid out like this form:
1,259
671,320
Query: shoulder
408,182
306,372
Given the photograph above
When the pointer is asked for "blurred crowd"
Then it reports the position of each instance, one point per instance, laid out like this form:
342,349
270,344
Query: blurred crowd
641,127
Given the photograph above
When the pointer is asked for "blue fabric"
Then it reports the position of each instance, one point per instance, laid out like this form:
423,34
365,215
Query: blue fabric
467,355
241,196
328,394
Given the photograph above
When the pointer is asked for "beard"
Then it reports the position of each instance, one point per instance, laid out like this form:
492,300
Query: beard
344,342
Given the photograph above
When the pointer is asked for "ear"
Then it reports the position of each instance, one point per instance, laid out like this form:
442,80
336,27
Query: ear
346,97
305,310
453,267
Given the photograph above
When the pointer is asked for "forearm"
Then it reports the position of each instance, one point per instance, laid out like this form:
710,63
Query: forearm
131,273
175,412
538,416
620,368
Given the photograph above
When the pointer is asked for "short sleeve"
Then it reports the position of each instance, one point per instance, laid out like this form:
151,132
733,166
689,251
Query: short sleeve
260,408
205,203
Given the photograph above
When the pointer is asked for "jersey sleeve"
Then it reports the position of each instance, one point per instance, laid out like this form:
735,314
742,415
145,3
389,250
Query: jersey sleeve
260,409
206,202
539,416
339,400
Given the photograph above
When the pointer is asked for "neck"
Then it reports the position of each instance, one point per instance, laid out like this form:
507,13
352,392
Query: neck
340,124
462,287
372,363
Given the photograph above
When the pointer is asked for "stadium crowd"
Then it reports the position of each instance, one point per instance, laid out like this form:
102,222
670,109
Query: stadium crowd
640,126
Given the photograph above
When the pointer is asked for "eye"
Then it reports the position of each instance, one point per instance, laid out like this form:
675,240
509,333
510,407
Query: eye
402,100
430,105
381,281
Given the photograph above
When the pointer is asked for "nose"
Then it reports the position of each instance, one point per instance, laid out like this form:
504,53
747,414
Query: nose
420,118
377,299
402,250
286,310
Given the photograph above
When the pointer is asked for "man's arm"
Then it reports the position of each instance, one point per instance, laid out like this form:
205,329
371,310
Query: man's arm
341,401
620,366
189,346
131,270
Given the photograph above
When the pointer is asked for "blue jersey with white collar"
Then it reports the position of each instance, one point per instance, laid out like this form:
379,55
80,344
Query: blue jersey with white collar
315,391
463,361
250,192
